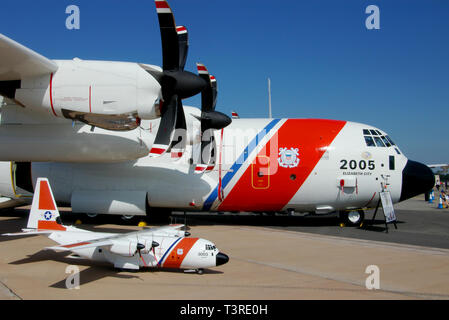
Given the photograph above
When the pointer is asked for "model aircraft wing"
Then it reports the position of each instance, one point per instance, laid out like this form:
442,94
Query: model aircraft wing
83,245
18,62
172,229
28,232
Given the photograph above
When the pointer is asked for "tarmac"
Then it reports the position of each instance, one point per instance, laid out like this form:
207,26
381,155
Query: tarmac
266,262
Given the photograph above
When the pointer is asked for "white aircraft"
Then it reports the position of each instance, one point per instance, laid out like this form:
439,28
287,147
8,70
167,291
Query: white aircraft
164,247
443,166
92,128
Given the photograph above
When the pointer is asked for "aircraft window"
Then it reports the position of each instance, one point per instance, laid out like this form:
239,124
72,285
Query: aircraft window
391,141
385,140
378,132
369,141
373,132
397,151
391,162
366,132
379,142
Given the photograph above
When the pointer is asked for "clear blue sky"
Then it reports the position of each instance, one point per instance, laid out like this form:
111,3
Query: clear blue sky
322,61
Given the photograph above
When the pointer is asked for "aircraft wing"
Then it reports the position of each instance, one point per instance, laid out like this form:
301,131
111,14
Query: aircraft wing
18,62
84,245
172,230
440,165
171,227
28,232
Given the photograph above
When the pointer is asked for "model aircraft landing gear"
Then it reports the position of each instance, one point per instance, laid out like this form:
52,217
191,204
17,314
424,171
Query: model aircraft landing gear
352,218
198,271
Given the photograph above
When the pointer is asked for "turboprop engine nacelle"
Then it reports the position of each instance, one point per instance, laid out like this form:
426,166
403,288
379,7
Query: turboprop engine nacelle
124,248
110,95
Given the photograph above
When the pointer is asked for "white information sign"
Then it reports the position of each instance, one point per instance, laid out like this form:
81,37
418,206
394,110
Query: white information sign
387,205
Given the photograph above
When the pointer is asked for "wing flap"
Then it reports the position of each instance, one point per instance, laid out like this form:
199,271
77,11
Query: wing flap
18,62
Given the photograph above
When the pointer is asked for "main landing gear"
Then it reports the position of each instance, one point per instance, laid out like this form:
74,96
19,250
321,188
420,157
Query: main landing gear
198,271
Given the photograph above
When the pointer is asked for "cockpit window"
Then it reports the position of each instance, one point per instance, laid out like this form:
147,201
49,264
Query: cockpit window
379,142
391,141
369,141
374,138
385,140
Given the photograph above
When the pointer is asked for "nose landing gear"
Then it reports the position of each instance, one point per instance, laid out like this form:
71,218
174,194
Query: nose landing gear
352,218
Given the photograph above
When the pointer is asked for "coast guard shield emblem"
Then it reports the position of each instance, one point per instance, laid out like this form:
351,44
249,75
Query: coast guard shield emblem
288,158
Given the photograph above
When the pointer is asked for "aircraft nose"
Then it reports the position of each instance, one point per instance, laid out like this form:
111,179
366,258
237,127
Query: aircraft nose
221,259
417,178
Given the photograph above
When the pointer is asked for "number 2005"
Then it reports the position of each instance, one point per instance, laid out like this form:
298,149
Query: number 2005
353,164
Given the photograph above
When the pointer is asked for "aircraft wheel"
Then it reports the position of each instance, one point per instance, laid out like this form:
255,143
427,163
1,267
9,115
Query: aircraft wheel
127,217
352,218
199,271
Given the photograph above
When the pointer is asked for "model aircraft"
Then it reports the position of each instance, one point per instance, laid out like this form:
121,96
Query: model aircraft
87,126
163,247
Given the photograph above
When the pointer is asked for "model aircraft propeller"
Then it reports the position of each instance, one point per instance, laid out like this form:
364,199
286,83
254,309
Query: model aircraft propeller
210,119
140,246
176,84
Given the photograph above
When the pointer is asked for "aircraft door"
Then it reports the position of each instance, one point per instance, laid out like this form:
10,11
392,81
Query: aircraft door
260,172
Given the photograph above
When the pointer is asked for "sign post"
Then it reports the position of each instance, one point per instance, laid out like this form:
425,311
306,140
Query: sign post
387,208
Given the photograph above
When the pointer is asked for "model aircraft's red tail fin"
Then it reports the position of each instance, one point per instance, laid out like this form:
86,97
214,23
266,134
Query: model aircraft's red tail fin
44,214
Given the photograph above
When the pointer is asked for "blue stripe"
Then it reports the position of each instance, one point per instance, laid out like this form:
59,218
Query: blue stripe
238,163
166,252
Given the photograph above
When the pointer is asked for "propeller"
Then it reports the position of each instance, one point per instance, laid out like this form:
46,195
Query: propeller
140,247
210,120
176,84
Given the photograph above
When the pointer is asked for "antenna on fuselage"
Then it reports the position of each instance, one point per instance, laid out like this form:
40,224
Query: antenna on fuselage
269,99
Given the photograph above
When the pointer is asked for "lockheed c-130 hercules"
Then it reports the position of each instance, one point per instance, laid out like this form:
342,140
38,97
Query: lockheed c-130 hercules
114,138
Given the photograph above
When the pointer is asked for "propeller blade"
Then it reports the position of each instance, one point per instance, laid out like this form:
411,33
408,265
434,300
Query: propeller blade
169,36
208,97
183,44
166,127
213,156
174,81
210,119
207,143
179,141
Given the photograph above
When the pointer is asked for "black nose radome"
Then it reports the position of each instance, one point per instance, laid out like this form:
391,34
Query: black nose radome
222,259
417,178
